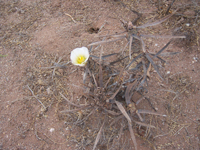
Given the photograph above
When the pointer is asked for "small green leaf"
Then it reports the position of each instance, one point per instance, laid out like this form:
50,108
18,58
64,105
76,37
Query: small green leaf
3,55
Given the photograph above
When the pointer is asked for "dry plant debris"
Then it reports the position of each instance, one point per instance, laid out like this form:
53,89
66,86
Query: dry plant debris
109,88
106,109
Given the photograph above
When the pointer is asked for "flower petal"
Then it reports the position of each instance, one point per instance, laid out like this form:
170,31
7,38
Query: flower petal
78,54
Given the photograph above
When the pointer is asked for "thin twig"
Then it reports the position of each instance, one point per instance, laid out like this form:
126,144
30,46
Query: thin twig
94,80
37,134
53,74
74,110
116,119
70,17
130,44
144,124
69,101
100,69
36,97
140,117
78,122
102,27
167,12
141,111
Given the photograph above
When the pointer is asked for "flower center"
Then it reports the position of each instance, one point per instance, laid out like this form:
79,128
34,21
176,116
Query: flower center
81,59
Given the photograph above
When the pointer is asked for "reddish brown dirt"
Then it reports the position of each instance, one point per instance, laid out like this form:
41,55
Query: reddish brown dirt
35,34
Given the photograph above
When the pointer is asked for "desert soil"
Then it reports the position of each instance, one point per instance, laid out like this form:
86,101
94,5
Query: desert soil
36,36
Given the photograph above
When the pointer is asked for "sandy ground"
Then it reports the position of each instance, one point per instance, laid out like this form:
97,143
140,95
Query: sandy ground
36,38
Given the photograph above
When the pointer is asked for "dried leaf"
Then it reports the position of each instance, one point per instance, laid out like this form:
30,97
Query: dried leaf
127,93
139,100
141,111
132,135
140,117
94,80
155,67
103,57
69,101
112,112
114,35
100,70
159,58
98,136
121,108
156,22
142,42
129,80
113,96
158,53
163,36
107,82
80,121
116,119
143,46
120,132
90,49
144,76
102,42
112,63
169,53
130,44
144,124
137,67
148,71
74,110
150,103
167,12
127,67
85,74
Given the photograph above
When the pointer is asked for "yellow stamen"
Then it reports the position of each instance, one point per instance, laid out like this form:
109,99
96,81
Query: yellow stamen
80,59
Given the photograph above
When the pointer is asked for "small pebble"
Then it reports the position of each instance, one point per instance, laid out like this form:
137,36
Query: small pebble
52,129
195,59
187,24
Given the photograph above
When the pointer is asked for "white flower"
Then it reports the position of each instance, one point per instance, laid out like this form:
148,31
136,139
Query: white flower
79,56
